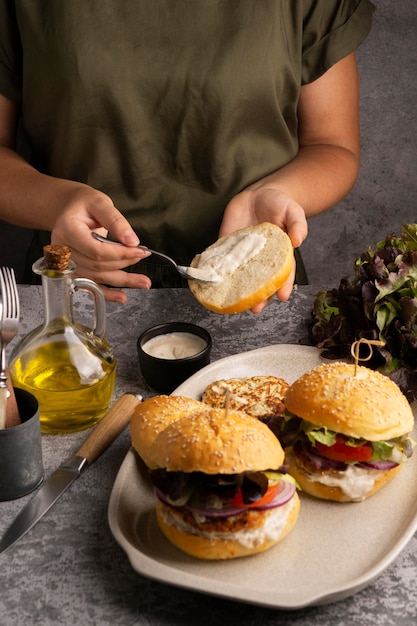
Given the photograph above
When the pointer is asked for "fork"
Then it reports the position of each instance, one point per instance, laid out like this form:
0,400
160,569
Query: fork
191,273
10,312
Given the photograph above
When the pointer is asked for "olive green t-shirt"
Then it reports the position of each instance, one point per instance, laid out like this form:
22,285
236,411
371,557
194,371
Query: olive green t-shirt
170,107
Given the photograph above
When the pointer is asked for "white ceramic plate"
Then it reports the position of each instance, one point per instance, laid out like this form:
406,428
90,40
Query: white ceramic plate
333,551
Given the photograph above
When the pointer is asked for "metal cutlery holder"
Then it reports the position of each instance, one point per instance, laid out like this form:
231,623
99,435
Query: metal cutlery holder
21,463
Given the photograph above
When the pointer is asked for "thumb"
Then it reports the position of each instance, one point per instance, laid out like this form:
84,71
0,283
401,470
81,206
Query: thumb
118,226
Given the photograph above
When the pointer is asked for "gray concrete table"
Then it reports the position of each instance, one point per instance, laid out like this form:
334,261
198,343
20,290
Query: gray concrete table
69,569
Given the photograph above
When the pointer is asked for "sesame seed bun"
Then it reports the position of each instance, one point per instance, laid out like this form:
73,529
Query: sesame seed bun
214,442
259,396
153,415
365,404
254,280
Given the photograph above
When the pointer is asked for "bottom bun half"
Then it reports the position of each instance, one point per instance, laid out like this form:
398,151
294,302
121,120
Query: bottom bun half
346,491
272,526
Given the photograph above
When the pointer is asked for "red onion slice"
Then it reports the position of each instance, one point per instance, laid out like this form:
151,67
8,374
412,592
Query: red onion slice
284,495
379,465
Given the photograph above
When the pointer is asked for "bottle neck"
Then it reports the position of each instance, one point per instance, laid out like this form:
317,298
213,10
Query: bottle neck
57,297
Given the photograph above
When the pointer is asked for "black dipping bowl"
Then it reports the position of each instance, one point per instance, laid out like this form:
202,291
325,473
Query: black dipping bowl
164,375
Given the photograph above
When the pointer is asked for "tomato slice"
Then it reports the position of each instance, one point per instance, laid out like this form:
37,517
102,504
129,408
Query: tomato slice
340,451
268,496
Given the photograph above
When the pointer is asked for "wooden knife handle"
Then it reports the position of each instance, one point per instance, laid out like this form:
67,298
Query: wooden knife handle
109,427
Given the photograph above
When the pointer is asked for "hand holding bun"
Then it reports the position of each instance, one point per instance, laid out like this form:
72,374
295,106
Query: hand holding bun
251,264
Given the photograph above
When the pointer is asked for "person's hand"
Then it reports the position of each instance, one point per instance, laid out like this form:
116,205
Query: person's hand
265,204
86,209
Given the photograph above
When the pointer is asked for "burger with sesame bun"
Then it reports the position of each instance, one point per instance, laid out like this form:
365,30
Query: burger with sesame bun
347,431
220,486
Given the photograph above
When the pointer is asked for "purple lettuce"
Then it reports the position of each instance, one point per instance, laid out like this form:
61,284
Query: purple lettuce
379,302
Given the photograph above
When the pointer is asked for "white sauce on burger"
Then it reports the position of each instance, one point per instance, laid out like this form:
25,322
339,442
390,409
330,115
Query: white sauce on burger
224,257
356,482
271,530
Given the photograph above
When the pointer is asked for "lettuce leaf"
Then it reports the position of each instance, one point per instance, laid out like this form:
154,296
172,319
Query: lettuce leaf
381,450
320,434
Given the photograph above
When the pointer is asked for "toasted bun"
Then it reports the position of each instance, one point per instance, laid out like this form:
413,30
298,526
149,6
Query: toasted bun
253,281
259,396
214,442
153,415
232,544
310,484
365,404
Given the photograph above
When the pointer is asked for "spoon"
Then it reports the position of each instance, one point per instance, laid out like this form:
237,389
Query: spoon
191,273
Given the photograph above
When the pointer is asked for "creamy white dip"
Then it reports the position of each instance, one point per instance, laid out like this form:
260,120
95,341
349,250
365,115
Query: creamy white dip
224,257
176,345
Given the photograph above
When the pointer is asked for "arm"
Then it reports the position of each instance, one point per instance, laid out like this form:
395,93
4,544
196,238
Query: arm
324,170
70,210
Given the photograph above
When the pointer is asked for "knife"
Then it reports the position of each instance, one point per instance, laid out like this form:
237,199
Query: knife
109,427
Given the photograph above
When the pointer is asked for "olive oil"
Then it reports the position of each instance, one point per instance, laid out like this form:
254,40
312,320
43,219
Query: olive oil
73,387
68,367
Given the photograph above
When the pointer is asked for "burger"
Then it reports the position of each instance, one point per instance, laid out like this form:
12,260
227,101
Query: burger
221,491
347,431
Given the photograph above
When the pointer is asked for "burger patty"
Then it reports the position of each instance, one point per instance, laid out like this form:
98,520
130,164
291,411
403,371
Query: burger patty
307,466
246,520
259,396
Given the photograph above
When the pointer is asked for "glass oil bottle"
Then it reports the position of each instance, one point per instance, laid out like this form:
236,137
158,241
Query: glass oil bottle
68,367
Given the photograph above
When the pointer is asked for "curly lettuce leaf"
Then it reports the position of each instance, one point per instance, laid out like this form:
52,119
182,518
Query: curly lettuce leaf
378,302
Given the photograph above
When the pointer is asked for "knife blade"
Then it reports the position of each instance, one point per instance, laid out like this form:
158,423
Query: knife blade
106,431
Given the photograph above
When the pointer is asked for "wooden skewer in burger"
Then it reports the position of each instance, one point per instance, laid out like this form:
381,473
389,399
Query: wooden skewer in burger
348,430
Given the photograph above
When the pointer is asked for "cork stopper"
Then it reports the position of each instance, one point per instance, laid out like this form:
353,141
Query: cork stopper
56,257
